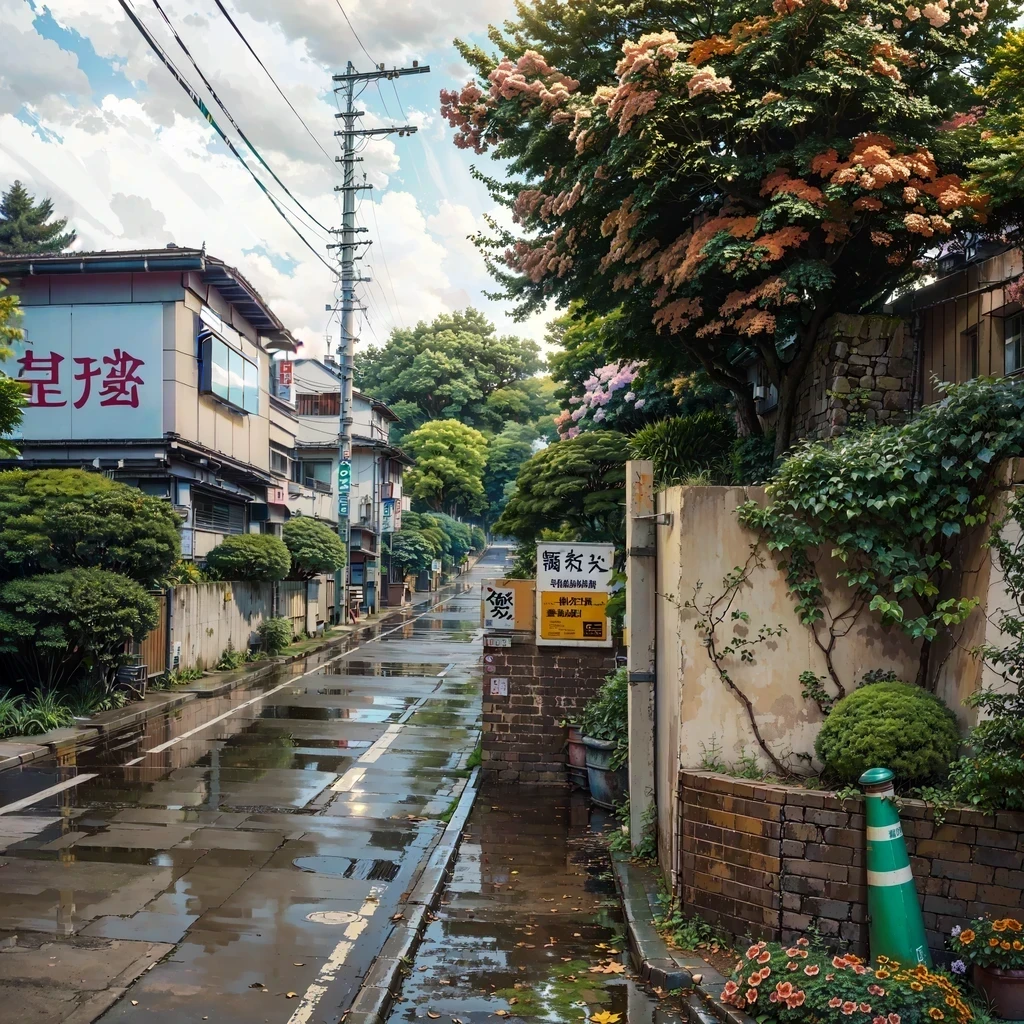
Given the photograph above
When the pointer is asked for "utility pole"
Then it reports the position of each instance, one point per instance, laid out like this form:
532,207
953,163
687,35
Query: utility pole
349,279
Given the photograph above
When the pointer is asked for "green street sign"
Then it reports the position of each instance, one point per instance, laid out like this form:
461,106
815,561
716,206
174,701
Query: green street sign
344,476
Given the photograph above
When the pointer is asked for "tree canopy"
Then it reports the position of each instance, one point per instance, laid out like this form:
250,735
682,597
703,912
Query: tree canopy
57,519
449,465
250,557
727,175
456,367
505,455
12,392
26,226
313,546
578,483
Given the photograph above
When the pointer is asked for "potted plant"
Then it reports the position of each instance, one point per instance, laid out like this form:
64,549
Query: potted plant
605,728
577,764
994,951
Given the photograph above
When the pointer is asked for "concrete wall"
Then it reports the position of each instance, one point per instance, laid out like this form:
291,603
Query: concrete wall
694,707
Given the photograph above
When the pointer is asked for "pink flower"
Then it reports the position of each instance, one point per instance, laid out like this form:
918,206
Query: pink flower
865,1007
764,957
835,1003
792,965
859,969
706,80
764,972
731,988
773,998
796,999
876,990
913,13
640,403
751,995
893,1018
936,16
755,979
849,1007
878,1020
803,942
784,989
754,952
811,970
838,961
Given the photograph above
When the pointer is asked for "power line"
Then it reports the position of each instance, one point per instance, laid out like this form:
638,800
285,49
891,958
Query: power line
387,269
352,29
233,122
194,96
241,36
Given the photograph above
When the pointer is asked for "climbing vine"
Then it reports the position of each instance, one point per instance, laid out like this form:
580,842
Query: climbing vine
890,504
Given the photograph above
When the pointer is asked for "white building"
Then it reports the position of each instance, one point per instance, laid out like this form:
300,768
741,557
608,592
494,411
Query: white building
376,500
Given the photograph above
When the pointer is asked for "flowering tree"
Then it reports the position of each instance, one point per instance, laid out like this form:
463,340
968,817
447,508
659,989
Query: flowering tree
741,172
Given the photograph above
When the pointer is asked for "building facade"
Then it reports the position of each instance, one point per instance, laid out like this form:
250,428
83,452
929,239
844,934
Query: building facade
375,498
154,367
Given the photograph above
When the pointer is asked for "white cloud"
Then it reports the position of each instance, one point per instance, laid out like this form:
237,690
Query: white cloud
146,169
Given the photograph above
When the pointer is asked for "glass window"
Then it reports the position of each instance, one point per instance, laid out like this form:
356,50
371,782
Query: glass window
1012,328
222,516
251,397
319,471
279,463
219,372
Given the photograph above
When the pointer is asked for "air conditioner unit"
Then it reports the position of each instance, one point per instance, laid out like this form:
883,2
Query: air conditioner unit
365,511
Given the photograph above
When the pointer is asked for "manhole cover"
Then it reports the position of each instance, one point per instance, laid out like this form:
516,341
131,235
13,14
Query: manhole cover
332,917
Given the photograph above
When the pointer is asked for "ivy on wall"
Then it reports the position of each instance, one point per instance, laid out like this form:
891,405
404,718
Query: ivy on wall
890,504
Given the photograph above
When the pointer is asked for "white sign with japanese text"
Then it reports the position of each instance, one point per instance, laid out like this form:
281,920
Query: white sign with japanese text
573,584
499,607
93,371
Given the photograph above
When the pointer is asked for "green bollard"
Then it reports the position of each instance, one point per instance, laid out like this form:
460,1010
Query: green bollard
896,927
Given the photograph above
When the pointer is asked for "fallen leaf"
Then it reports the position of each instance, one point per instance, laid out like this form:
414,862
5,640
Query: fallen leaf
577,935
257,984
135,1002
697,978
502,1013
291,995
604,1017
432,1015
397,917
513,1001
548,900
297,964
515,872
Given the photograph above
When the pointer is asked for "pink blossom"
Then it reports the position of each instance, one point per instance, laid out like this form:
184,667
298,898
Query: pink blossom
600,415
629,396
640,403
936,16
706,80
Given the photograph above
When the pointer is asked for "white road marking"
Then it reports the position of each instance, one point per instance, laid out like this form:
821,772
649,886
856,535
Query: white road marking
329,971
28,801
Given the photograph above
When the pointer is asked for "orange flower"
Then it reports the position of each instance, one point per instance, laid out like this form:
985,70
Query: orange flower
916,986
967,936
936,1014
993,942
1017,944
1013,924
999,926
881,973
1004,945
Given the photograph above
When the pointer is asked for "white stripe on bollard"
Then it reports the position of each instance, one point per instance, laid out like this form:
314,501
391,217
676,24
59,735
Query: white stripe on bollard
898,876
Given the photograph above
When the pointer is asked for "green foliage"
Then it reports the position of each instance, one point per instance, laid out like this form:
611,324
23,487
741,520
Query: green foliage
684,164
606,716
12,392
687,931
230,659
184,572
450,458
620,840
684,445
276,634
990,943
476,758
55,519
888,725
892,504
478,539
59,627
753,459
182,675
991,775
454,368
250,558
26,227
32,716
411,552
314,547
506,454
997,137
577,483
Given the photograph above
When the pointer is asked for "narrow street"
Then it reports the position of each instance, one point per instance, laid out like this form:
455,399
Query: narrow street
256,845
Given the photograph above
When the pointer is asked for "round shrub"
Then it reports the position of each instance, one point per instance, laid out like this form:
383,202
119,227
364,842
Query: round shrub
276,634
888,725
250,558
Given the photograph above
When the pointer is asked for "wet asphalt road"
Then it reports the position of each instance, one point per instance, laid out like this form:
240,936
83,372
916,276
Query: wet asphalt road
262,840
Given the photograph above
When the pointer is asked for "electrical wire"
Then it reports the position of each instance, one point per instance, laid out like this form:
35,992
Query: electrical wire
194,96
387,269
352,29
248,45
234,124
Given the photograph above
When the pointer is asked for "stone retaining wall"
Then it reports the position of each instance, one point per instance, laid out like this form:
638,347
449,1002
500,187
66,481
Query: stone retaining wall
523,738
776,862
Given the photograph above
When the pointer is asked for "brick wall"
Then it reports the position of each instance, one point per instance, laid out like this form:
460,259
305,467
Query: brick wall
523,740
774,862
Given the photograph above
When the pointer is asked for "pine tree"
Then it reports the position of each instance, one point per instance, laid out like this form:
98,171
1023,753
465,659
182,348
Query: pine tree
25,225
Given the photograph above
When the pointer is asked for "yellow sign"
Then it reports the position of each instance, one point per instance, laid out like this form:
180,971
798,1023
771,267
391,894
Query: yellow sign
573,615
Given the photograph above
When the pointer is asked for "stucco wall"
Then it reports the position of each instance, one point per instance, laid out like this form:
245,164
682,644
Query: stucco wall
695,708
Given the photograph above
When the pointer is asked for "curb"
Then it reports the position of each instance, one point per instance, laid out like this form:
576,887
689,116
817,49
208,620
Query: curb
657,964
380,985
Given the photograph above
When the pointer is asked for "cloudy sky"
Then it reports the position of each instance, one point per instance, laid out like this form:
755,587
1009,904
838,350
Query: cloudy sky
91,118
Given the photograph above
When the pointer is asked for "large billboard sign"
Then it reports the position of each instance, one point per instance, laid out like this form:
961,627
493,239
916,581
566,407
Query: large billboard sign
93,372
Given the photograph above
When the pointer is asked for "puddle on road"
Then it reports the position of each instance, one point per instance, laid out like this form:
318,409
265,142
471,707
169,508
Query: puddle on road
530,911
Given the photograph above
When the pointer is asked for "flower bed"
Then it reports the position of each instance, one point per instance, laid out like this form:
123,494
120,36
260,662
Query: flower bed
775,983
